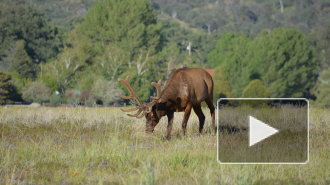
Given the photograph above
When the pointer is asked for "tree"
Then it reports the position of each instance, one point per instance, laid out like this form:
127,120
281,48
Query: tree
19,21
36,92
22,63
112,61
320,40
178,37
255,89
229,53
322,89
106,91
221,87
282,59
70,66
115,37
131,25
5,87
55,99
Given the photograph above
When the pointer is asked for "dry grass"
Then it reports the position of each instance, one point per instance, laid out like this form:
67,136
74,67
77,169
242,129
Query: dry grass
104,146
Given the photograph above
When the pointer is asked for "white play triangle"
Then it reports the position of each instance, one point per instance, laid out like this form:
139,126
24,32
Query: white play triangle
259,131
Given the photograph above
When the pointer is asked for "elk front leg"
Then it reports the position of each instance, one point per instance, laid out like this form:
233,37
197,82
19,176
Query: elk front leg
185,118
170,117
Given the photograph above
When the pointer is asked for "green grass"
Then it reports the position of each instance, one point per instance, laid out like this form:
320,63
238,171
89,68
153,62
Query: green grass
104,146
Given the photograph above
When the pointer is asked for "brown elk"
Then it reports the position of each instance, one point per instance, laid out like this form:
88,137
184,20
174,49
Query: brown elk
186,88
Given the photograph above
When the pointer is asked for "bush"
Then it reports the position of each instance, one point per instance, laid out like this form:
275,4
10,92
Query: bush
72,98
74,101
255,89
36,92
221,87
84,96
55,100
4,86
90,102
50,81
322,90
106,91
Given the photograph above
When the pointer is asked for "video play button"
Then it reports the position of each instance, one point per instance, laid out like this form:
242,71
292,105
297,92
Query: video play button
262,131
259,131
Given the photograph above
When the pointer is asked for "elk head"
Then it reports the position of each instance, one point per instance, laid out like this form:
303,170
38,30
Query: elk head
144,109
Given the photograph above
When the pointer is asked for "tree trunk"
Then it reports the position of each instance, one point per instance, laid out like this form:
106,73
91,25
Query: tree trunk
189,48
281,4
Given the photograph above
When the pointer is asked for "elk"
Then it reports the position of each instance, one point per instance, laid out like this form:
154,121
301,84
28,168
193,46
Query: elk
186,89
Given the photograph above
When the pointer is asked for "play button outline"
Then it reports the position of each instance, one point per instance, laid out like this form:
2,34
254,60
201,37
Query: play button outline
259,131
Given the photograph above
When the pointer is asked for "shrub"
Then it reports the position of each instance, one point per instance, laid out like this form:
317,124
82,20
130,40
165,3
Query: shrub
255,89
4,86
55,99
322,89
36,92
221,87
90,102
74,101
84,96
72,98
106,91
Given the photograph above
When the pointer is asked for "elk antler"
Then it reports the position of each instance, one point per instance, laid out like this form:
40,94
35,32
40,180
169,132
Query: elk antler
155,99
140,107
157,85
133,95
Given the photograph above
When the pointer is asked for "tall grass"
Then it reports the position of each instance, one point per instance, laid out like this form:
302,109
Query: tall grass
104,146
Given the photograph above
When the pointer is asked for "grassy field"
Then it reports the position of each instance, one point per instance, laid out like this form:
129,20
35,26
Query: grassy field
104,146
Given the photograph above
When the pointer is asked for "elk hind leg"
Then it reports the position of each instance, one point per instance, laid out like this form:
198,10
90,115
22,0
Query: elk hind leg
185,118
209,102
201,117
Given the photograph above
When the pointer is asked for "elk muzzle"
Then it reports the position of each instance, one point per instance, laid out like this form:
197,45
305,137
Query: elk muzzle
149,127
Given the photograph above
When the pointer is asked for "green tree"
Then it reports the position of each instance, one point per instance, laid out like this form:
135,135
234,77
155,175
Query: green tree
322,89
167,60
22,63
19,21
18,83
36,92
221,87
115,37
73,63
55,99
320,39
229,53
112,61
130,25
49,80
255,89
5,87
284,61
178,36
106,91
